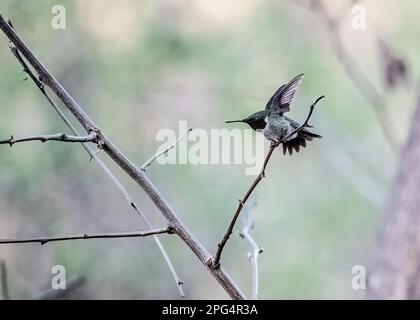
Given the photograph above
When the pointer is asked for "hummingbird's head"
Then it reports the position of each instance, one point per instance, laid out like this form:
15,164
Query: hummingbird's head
256,120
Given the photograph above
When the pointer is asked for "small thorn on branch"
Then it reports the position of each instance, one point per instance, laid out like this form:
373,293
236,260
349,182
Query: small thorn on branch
171,230
11,141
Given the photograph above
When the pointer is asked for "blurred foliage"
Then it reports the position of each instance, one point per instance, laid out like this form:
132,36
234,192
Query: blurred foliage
139,66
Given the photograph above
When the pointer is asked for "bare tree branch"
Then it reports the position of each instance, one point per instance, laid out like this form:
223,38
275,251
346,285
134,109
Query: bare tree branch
245,233
4,284
85,236
158,154
103,166
135,173
91,137
72,284
226,236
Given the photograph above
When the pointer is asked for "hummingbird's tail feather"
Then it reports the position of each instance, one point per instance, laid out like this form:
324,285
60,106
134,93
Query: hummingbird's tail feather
294,144
308,135
299,141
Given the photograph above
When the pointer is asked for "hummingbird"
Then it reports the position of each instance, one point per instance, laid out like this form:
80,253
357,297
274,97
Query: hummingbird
275,125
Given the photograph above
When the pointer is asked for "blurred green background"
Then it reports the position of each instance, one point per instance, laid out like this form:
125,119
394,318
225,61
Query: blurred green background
139,66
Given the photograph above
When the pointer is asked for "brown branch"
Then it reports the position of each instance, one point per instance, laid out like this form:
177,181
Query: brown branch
91,137
93,155
135,173
86,236
3,279
226,236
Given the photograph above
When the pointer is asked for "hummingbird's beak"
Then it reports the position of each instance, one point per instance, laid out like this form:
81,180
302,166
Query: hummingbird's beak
232,121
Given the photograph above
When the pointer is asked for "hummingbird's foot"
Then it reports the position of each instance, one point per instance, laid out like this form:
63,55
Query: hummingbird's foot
214,265
274,143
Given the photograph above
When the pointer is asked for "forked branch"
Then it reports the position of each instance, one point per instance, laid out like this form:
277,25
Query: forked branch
123,162
93,155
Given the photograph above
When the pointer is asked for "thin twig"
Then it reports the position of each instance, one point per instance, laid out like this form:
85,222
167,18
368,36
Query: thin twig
72,284
86,236
124,163
4,283
158,154
91,137
103,166
226,236
245,233
305,124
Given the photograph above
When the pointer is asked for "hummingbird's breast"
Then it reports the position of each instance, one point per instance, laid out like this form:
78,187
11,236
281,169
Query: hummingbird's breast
277,127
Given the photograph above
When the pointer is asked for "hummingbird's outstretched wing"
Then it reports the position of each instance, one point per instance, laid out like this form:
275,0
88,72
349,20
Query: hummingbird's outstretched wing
281,99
